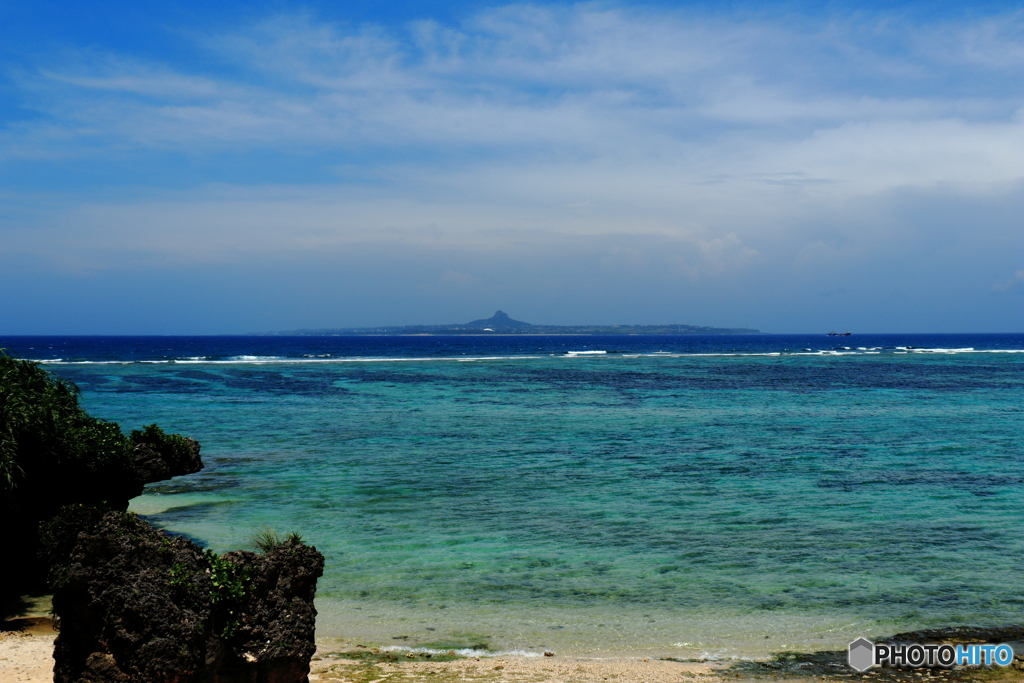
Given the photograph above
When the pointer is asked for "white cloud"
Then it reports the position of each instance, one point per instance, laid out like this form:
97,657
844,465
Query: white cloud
584,79
660,144
995,43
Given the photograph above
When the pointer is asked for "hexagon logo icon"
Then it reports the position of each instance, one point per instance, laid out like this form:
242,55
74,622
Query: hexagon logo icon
862,654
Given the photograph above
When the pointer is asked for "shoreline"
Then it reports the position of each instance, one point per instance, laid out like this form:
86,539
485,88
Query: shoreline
709,633
26,656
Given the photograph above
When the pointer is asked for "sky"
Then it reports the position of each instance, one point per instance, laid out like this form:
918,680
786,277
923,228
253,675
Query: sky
190,167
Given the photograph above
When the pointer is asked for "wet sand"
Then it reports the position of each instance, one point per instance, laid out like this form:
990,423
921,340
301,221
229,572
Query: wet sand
515,669
28,658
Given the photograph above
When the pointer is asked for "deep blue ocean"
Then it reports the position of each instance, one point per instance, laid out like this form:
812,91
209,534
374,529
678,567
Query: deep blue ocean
680,496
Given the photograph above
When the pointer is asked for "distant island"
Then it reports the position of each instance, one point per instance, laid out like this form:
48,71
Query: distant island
500,323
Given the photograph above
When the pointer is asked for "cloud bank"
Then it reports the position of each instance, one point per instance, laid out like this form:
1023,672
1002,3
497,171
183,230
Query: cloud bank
570,164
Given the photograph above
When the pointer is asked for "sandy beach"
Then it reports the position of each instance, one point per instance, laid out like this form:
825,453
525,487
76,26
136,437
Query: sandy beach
513,668
26,656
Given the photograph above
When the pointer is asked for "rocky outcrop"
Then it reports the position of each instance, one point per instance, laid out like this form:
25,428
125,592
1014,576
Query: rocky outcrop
159,456
133,607
272,638
48,530
140,606
59,496
961,634
135,604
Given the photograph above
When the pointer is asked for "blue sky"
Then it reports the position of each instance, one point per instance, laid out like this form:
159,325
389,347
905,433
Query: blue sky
220,167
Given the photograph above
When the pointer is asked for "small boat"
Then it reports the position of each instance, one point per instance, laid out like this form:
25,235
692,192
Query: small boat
833,333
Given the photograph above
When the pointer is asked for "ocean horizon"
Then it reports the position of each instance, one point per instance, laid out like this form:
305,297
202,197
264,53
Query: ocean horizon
686,496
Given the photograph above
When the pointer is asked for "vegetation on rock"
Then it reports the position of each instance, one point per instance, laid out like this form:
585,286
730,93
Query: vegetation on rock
134,603
49,443
61,469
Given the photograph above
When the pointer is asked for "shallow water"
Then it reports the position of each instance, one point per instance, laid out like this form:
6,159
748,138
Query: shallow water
703,497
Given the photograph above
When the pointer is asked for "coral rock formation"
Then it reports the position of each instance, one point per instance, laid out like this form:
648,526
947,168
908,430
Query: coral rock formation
140,606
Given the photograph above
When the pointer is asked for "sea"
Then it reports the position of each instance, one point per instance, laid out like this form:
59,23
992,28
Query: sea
695,497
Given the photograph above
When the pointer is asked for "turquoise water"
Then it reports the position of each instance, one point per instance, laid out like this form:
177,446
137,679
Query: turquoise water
655,503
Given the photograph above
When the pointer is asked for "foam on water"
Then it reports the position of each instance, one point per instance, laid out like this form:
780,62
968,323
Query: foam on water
328,359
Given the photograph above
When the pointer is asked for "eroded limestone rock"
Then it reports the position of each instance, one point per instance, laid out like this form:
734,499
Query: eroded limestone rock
140,606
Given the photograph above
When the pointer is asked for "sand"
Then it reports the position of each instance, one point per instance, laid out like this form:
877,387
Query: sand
26,656
514,669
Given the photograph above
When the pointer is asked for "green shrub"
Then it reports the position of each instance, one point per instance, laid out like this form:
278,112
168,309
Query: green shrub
230,582
173,448
53,455
266,539
50,446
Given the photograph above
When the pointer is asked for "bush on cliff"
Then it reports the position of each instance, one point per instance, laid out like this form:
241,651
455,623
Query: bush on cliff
134,604
53,454
49,444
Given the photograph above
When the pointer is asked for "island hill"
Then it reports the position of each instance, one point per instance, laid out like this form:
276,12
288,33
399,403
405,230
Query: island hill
500,323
